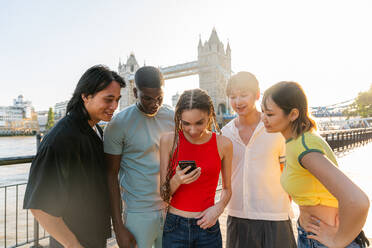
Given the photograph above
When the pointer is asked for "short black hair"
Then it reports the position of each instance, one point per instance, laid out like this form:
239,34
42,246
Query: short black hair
95,79
290,95
148,77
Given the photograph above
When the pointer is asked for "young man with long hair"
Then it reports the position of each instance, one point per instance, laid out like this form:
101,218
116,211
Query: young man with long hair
67,187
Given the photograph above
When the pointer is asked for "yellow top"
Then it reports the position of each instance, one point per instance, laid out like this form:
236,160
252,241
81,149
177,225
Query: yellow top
304,188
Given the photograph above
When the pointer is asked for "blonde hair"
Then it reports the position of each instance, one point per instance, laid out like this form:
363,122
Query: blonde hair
243,80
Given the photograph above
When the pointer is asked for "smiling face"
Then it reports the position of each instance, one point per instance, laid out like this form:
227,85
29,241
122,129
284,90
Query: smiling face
194,123
275,120
243,101
101,106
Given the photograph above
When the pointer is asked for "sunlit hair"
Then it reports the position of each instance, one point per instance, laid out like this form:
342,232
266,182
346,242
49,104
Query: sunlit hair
288,96
243,81
190,99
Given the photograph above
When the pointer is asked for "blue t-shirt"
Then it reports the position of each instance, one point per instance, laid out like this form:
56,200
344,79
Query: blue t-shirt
136,137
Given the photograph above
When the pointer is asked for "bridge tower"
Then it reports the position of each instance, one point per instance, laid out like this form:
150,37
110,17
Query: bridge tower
214,71
213,67
127,71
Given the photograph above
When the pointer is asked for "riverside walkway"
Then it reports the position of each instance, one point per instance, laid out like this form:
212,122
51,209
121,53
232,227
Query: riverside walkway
355,163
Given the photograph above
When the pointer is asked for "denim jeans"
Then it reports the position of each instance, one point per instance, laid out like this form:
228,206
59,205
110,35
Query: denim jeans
180,232
304,242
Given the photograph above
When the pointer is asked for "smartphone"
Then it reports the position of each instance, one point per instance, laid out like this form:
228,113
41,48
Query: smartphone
185,163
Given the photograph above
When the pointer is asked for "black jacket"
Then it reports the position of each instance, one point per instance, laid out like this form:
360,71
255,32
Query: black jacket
68,179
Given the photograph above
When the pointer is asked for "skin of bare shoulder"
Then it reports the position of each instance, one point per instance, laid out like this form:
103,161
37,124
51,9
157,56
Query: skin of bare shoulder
166,140
167,136
224,145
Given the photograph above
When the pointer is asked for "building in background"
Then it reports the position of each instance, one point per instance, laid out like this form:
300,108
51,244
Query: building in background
42,119
175,99
10,114
127,71
25,105
18,119
60,110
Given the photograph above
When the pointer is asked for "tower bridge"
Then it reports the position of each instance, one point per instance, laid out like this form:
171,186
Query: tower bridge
213,66
331,110
180,70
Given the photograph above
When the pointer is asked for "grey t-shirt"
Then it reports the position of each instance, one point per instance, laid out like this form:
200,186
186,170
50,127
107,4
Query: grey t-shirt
136,137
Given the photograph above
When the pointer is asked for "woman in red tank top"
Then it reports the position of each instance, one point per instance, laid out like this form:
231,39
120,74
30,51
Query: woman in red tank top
192,218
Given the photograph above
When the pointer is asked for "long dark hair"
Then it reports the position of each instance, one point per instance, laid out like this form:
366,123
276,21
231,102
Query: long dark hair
288,96
92,81
190,99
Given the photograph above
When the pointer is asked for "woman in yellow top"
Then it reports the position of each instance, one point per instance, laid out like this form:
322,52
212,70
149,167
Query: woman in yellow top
333,209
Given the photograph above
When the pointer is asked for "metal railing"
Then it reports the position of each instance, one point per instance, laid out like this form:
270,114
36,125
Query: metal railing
16,160
16,236
339,140
19,226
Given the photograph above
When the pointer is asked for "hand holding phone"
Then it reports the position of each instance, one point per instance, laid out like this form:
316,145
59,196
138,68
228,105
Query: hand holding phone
191,175
186,163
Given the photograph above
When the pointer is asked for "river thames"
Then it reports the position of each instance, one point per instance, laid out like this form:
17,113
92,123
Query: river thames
17,146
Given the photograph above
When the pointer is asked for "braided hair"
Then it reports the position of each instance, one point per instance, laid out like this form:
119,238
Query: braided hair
190,99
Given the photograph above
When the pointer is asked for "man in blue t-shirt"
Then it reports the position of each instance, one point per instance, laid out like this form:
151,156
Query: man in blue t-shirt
131,145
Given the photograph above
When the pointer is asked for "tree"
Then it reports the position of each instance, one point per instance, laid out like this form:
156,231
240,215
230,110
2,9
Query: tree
50,122
364,103
362,106
351,110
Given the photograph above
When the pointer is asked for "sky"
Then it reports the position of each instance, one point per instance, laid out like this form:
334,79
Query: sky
45,46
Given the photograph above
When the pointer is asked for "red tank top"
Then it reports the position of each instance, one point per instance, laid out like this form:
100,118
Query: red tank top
199,195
